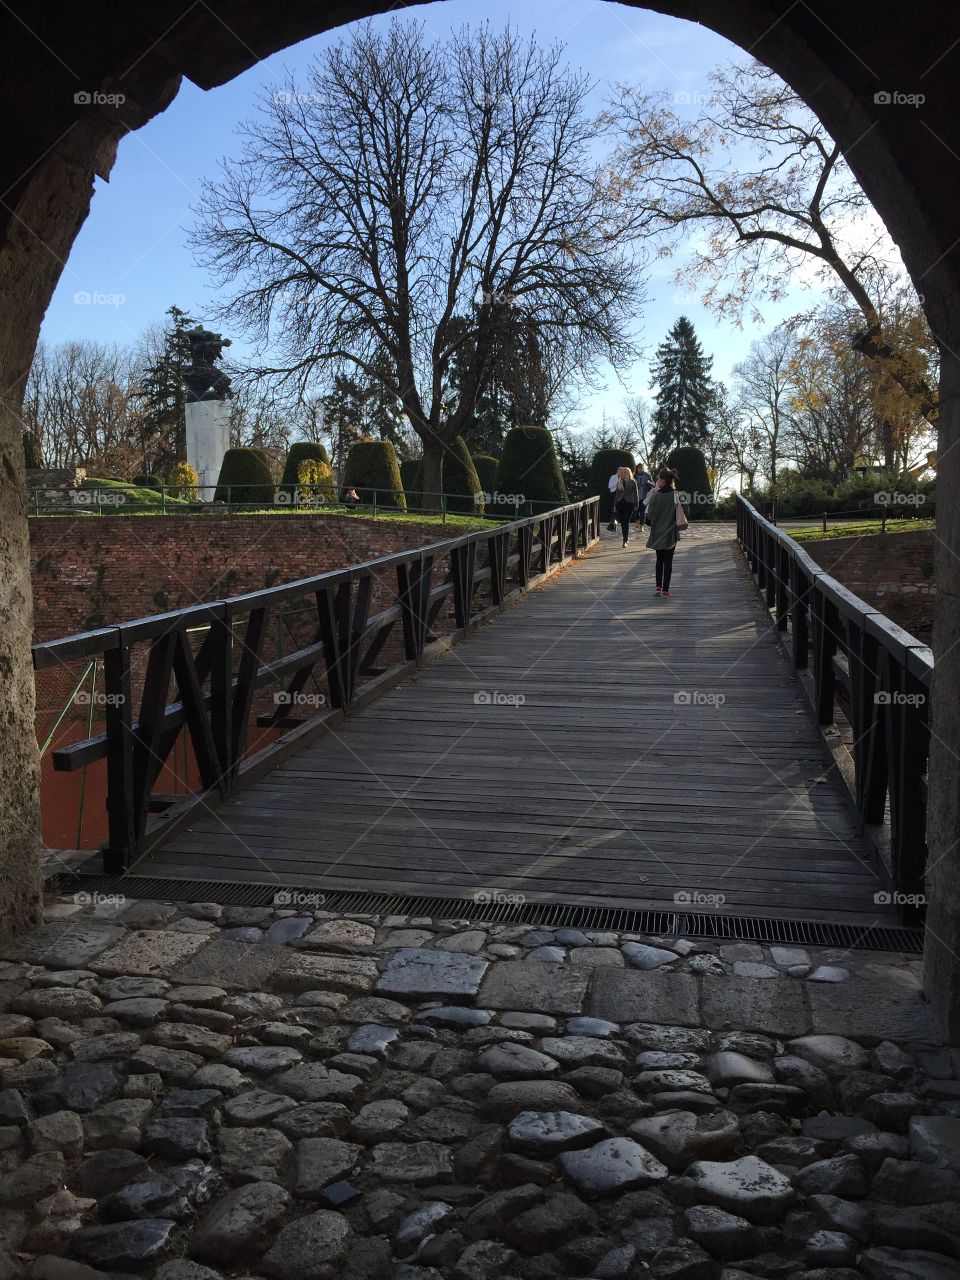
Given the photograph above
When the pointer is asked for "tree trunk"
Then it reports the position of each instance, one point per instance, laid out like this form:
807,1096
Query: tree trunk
432,474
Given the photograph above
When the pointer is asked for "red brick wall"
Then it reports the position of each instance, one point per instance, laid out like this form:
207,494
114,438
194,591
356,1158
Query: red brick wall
891,571
91,572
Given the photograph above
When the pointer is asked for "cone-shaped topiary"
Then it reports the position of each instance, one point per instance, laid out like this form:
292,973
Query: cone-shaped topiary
529,468
694,483
372,465
486,466
605,463
461,484
301,451
244,477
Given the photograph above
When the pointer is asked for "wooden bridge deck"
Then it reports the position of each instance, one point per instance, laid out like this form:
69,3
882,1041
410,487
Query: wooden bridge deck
662,755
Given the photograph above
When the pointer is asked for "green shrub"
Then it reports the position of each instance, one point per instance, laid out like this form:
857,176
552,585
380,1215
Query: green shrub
605,463
126,495
145,481
529,468
694,483
798,495
244,477
302,451
486,468
461,484
372,465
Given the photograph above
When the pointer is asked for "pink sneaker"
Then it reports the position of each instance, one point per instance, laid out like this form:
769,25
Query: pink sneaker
664,593
658,591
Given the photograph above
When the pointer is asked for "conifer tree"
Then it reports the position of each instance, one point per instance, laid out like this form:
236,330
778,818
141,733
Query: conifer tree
683,386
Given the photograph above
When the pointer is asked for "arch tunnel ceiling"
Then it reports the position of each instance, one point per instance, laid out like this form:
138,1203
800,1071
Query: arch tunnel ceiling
837,56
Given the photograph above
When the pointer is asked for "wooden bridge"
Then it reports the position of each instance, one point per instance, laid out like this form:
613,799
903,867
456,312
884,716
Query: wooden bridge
545,729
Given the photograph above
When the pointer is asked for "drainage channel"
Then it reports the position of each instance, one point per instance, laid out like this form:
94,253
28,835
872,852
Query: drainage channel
505,909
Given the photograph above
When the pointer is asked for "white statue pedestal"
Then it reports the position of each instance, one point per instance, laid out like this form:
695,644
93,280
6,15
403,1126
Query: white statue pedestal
208,439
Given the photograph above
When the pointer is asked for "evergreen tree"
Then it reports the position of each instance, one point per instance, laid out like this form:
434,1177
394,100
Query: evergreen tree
513,388
363,405
681,377
163,395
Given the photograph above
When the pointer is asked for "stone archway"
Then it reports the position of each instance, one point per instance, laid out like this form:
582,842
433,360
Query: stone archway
837,58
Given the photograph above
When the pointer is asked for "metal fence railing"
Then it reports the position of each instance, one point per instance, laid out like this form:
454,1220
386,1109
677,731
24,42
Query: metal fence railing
117,499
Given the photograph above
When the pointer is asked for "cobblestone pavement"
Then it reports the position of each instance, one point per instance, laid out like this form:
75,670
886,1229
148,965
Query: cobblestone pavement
198,1092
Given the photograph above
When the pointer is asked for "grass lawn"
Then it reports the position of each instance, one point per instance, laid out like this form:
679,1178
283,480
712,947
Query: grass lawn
856,529
147,502
361,513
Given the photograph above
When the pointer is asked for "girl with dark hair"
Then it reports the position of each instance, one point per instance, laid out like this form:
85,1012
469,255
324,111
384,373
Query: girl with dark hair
666,517
626,500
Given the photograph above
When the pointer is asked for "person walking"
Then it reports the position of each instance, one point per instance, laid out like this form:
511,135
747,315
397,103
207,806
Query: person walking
645,483
626,500
666,517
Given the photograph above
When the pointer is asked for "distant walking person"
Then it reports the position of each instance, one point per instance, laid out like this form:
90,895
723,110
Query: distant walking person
645,483
666,517
626,500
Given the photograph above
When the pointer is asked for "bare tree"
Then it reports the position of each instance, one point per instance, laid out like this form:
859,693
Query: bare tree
80,406
764,389
641,426
759,176
411,183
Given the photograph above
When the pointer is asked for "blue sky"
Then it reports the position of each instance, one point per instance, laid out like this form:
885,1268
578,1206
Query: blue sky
134,244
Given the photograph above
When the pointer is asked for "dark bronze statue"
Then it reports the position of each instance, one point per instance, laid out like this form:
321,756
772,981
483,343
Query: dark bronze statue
204,380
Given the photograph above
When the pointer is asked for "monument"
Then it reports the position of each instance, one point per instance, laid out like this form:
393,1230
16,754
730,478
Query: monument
207,412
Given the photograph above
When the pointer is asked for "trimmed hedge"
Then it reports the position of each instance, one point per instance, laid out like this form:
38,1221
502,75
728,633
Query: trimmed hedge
461,483
244,477
486,467
529,466
372,464
691,466
605,463
302,451
145,481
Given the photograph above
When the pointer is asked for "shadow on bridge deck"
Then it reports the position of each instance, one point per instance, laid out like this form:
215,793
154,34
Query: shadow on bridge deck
594,745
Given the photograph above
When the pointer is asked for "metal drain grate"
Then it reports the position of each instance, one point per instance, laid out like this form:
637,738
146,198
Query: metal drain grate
501,910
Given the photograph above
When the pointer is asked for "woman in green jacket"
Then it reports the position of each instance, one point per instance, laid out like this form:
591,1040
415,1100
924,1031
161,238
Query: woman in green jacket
663,507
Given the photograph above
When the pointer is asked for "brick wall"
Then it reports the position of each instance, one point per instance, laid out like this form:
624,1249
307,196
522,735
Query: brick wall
90,572
892,571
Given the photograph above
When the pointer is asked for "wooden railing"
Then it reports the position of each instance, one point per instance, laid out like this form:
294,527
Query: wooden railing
354,631
868,671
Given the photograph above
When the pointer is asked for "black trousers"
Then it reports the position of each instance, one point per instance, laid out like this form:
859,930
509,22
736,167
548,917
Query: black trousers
624,513
665,568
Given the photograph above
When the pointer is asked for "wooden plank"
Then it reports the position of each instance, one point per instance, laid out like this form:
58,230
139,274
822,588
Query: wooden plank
660,746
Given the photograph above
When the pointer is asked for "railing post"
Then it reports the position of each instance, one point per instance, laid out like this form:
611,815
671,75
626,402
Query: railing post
825,621
800,588
122,825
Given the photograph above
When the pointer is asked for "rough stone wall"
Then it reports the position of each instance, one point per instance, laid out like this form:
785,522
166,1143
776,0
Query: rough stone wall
91,572
894,572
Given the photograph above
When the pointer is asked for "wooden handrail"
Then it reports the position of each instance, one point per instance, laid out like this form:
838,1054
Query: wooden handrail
885,676
214,684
